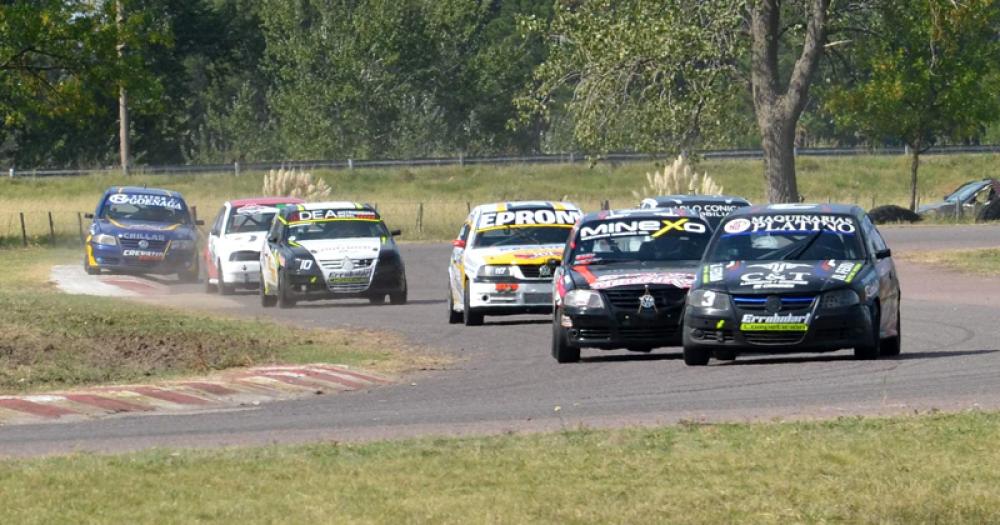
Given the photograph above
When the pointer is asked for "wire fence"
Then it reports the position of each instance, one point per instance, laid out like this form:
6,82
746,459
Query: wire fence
562,158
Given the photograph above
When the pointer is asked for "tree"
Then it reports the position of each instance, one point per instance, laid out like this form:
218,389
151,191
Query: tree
928,72
667,74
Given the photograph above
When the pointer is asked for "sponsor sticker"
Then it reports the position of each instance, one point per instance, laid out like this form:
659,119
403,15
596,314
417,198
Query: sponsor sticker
326,215
713,210
776,275
678,280
737,226
652,227
142,236
544,217
774,323
143,255
142,199
715,273
846,271
792,223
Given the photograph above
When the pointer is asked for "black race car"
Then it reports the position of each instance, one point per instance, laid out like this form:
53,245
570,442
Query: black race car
623,280
330,250
794,278
713,208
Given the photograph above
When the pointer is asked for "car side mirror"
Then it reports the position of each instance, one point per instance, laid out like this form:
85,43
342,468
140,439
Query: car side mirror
458,243
88,215
883,254
272,238
199,222
396,232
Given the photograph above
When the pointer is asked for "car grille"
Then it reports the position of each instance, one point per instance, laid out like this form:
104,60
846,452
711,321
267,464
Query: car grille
244,255
336,264
157,246
593,333
355,280
534,272
538,298
653,333
788,302
773,338
665,297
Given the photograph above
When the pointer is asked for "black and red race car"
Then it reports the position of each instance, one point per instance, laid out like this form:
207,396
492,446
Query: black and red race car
624,279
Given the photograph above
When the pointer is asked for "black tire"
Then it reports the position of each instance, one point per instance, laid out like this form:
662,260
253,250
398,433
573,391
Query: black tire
90,269
191,275
892,346
725,355
285,299
453,316
376,298
222,287
694,355
399,297
990,212
266,301
562,351
469,316
869,350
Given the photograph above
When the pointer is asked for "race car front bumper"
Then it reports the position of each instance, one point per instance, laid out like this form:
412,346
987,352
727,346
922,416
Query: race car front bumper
827,331
113,258
388,279
509,298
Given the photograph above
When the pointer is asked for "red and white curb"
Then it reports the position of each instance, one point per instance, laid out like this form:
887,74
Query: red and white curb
232,389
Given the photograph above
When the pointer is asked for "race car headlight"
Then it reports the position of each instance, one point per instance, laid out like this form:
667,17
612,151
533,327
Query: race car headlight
709,299
494,271
105,239
588,299
839,299
182,244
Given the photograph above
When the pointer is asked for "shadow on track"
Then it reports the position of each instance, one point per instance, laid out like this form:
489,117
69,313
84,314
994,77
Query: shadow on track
365,304
632,356
517,322
829,358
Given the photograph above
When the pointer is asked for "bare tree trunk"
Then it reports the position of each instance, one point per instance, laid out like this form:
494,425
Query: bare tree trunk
914,166
777,107
123,119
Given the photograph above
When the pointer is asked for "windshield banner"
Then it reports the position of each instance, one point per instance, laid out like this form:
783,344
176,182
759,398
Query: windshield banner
652,227
142,199
332,215
527,218
791,223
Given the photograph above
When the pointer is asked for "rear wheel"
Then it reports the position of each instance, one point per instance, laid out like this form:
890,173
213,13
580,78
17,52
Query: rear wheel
266,301
398,297
562,350
869,349
285,299
469,316
223,288
892,346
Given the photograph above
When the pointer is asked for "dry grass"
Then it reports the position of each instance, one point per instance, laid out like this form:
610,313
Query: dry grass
985,262
923,469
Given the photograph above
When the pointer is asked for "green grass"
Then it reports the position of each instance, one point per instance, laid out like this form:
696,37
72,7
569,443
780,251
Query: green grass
445,192
51,340
984,261
918,469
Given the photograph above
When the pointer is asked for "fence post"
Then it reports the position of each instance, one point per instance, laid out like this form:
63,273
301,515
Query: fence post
24,231
350,164
461,159
79,225
52,230
236,168
194,213
12,173
468,207
420,218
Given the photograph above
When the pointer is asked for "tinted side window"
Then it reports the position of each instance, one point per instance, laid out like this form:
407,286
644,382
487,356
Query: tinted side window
873,240
217,223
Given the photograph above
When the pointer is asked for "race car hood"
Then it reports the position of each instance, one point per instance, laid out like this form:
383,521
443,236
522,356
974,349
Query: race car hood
758,277
144,229
250,241
507,255
608,276
335,249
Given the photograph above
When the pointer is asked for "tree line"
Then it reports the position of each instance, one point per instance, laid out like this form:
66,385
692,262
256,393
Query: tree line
251,80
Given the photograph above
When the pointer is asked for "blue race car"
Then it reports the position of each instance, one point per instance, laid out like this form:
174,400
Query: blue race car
142,230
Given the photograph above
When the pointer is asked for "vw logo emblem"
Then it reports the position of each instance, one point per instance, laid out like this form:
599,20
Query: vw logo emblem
773,304
144,244
647,301
545,271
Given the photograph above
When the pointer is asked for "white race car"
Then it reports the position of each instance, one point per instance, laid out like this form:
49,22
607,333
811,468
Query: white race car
232,253
503,258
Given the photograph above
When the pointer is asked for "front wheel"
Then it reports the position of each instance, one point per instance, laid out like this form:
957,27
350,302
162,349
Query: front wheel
266,301
398,297
453,316
285,299
893,346
376,298
694,355
562,350
869,349
469,316
91,270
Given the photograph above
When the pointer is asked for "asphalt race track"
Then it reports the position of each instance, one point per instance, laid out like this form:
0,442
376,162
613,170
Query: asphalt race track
504,379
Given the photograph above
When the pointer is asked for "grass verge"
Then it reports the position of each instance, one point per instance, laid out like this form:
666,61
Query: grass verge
985,261
917,469
50,340
441,195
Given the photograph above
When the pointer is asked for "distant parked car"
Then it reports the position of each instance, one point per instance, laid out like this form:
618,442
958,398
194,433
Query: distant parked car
713,208
970,200
142,230
231,256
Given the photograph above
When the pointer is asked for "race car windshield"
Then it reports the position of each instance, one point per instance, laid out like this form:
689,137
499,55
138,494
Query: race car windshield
521,236
640,247
336,229
816,242
148,208
245,222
